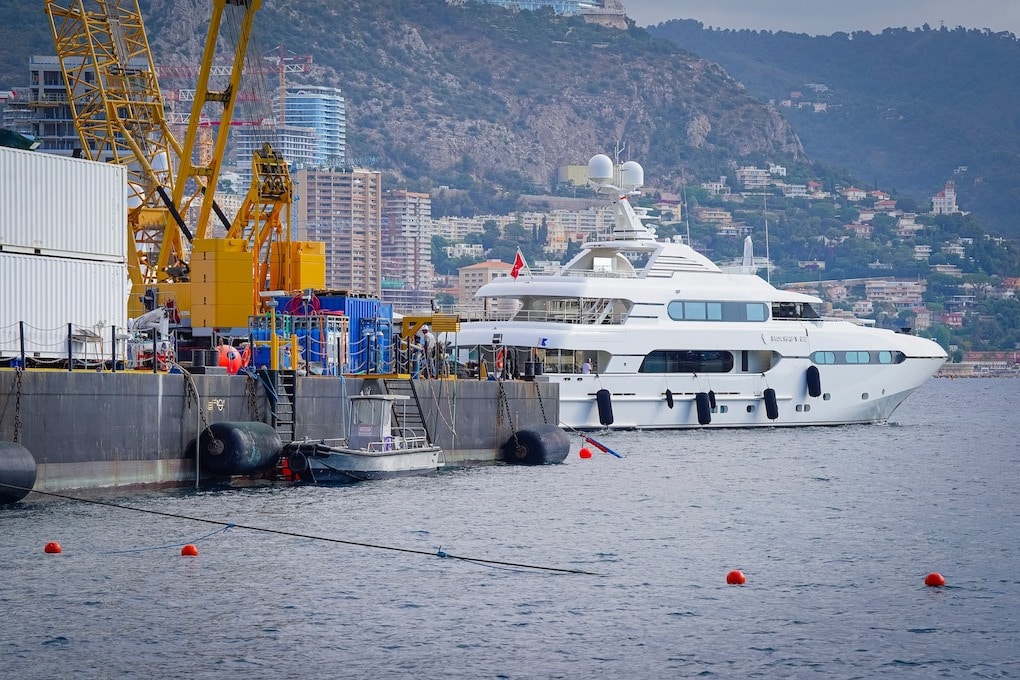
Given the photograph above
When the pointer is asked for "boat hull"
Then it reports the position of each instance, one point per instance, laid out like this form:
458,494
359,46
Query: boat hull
322,464
636,401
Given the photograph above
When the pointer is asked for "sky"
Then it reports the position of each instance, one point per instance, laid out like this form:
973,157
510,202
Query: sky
824,17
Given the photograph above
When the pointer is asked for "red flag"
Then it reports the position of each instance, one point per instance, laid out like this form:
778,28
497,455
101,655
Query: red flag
518,264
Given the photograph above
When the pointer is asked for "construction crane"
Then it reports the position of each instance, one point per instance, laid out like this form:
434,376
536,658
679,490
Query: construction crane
120,116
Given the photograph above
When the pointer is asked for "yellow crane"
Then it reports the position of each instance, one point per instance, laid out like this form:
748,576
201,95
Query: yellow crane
120,116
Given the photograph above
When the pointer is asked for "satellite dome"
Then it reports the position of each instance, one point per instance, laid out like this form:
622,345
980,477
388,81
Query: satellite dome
600,169
632,175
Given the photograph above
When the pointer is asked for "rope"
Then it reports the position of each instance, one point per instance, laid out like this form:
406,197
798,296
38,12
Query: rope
171,545
293,534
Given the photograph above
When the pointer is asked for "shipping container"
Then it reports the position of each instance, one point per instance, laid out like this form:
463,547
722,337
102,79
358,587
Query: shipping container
42,295
59,206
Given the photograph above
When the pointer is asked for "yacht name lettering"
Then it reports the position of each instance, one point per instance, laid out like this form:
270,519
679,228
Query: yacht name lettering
788,338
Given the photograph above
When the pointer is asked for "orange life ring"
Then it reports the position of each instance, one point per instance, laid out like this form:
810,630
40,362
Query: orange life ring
500,355
246,355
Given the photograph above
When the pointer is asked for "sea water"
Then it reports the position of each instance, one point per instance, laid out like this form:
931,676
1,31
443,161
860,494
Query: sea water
834,528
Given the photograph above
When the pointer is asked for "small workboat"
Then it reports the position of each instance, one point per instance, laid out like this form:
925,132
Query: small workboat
378,446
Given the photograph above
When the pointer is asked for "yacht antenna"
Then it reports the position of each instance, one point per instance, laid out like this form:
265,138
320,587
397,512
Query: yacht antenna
687,214
768,260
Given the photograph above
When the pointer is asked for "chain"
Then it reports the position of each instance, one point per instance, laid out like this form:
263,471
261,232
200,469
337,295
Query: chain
253,403
541,404
506,404
17,404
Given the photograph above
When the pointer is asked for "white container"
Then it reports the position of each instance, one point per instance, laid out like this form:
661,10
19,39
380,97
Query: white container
47,293
54,205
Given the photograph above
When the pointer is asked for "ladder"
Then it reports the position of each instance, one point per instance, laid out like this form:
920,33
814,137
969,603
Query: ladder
283,412
412,417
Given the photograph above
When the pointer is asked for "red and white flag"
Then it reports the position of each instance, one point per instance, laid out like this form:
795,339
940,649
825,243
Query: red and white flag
519,264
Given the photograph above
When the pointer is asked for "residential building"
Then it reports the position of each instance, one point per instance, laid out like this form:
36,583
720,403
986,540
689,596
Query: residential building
944,202
899,293
407,251
854,194
313,133
753,178
719,188
473,277
343,209
42,109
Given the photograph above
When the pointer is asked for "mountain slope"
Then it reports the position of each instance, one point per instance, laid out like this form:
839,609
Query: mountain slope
457,94
905,108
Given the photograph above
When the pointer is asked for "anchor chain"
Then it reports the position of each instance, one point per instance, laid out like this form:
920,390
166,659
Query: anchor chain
17,404
250,389
541,404
509,418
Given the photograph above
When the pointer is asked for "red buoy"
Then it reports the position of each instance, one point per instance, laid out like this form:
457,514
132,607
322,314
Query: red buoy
736,578
935,580
585,452
53,548
189,550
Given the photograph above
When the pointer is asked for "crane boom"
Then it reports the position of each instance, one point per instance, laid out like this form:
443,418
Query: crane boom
120,116
118,111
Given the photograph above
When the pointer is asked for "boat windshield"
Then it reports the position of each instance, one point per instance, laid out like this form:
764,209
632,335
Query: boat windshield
588,311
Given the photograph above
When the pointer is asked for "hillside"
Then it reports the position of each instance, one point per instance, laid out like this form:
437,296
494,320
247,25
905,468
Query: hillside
469,94
904,109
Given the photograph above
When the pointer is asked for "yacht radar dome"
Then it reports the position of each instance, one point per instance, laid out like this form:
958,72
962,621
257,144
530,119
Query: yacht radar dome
600,169
632,175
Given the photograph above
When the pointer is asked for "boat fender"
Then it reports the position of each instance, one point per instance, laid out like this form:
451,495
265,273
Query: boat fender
17,468
605,403
542,444
669,398
711,398
238,448
814,382
771,405
704,408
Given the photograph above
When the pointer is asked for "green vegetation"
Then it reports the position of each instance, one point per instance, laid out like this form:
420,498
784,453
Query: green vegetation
904,109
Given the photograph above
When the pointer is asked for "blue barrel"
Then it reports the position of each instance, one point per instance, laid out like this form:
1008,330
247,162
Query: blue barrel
538,445
17,472
238,448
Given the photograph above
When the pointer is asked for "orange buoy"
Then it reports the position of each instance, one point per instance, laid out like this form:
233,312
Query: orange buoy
585,452
189,550
53,548
736,578
935,580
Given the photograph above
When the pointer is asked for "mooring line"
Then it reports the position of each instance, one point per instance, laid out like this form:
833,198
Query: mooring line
280,532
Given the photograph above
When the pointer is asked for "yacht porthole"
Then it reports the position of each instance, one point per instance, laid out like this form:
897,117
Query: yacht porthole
826,397
750,408
798,408
807,407
864,396
724,409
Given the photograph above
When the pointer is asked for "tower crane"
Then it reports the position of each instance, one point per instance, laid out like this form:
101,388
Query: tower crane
216,283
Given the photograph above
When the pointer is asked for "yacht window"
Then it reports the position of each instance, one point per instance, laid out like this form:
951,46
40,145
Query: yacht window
755,311
679,310
602,264
687,361
695,311
793,310
858,357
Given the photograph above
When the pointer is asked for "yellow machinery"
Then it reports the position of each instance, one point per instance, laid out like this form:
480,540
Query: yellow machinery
120,116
